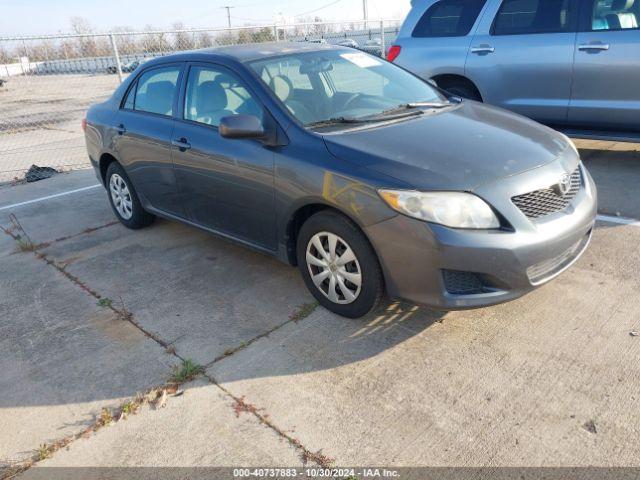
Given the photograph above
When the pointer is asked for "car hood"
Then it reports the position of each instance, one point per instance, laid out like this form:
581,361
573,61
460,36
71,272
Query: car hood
457,149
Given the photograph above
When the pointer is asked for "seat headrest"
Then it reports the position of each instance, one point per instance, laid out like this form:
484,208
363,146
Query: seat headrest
210,97
619,5
282,87
159,96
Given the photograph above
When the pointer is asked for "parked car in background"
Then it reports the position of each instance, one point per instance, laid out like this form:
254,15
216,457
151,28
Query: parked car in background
363,175
373,46
2,82
321,41
568,63
126,68
348,42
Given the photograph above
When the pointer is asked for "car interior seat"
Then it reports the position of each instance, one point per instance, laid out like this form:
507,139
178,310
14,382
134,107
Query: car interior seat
211,103
283,88
159,98
623,18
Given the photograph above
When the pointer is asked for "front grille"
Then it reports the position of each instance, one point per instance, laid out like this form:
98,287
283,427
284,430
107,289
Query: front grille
540,272
462,283
548,200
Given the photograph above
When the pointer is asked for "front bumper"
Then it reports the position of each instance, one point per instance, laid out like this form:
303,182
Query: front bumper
418,259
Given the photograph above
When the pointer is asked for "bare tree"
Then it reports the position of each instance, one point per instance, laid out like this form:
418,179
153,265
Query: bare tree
182,40
204,40
5,55
227,38
126,41
80,25
67,50
87,46
154,41
42,51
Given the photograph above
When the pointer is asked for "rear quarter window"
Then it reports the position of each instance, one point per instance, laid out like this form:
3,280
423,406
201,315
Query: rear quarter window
449,18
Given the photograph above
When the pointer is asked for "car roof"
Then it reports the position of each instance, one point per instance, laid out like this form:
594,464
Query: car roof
249,52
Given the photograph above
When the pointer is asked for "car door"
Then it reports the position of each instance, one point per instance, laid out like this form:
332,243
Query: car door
226,185
606,80
144,127
521,57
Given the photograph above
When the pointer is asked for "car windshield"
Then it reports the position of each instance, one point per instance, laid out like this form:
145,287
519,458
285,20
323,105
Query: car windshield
340,86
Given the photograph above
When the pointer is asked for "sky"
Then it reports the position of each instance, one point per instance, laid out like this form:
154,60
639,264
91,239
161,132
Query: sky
33,17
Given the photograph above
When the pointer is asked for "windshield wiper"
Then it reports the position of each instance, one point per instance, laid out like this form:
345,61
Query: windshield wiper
334,121
377,118
356,120
414,105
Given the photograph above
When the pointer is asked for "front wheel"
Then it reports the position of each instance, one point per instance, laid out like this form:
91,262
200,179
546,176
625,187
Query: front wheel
124,200
339,266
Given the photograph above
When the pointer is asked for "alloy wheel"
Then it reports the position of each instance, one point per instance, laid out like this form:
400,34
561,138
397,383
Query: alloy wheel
334,268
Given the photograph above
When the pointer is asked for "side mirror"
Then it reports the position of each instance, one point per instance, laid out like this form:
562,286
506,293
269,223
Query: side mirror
241,126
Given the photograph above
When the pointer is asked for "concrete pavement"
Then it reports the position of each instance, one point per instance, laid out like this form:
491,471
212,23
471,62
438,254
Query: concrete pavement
550,379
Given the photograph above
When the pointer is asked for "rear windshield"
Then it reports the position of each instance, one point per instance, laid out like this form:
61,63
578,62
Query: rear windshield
449,18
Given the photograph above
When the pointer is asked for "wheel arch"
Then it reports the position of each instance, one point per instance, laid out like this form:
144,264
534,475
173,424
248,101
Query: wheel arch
105,160
450,78
301,214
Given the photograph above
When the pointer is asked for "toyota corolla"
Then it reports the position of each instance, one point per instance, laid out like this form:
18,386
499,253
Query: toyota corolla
364,176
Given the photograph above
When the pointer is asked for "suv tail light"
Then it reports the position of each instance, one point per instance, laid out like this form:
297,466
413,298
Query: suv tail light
394,51
84,124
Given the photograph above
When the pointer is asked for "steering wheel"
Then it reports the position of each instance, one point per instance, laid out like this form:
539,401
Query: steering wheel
352,98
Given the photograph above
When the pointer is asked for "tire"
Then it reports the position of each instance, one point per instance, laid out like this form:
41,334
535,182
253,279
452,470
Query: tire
327,227
463,90
124,200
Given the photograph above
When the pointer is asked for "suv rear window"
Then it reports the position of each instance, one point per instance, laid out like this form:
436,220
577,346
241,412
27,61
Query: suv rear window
449,18
521,17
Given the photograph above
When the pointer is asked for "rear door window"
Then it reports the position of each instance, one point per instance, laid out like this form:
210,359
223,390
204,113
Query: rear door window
449,18
156,90
522,17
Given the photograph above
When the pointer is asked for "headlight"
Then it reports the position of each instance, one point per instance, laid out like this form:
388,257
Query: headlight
452,209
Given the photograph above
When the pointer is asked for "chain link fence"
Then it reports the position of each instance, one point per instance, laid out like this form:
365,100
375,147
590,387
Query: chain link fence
48,82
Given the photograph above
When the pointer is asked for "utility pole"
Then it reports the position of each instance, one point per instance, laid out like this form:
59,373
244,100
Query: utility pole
228,7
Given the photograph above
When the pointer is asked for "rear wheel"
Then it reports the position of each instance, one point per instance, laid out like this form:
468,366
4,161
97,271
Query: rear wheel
338,265
124,200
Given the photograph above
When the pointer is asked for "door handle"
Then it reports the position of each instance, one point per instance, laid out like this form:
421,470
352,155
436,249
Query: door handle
181,143
480,49
594,47
121,129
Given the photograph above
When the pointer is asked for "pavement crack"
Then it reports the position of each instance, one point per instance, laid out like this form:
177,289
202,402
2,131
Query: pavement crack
241,405
84,232
156,397
300,314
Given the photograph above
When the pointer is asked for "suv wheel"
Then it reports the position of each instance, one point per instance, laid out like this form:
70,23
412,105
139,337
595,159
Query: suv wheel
124,200
339,266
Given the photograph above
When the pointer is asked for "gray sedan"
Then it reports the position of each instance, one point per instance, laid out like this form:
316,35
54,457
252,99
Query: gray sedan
366,177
